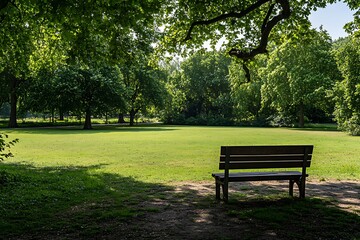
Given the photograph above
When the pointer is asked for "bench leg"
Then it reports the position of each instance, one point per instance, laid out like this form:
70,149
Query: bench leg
302,188
225,187
291,187
217,189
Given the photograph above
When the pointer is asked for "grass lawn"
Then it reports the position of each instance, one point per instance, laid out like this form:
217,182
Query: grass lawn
70,181
176,153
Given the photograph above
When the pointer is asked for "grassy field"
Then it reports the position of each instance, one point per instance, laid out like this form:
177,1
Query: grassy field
165,153
70,183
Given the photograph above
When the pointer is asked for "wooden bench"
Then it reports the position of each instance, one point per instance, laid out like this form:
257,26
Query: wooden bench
260,157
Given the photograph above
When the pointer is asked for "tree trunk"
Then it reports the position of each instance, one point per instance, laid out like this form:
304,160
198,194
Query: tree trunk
52,115
61,115
106,118
132,116
13,103
121,118
301,116
87,124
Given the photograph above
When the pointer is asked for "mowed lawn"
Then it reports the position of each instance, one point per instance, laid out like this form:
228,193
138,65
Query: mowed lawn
117,182
162,154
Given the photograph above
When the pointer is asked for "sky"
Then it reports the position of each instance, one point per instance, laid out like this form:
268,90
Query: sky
332,18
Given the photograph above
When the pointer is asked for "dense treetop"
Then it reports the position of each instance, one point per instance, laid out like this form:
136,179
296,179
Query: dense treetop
243,28
58,35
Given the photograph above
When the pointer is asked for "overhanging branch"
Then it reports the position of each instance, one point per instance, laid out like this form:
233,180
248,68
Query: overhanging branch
225,16
267,25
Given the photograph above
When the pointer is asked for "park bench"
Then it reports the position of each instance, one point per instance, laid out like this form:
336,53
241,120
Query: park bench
263,157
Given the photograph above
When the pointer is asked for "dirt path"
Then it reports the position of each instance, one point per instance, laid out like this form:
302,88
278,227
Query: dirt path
189,212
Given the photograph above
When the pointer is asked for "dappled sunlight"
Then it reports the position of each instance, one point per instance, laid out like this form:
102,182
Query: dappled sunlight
343,194
189,209
153,182
80,202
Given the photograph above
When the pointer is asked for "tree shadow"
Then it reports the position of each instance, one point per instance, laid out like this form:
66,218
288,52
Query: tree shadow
316,129
252,213
67,202
84,203
95,130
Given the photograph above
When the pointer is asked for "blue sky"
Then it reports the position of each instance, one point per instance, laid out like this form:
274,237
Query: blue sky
332,18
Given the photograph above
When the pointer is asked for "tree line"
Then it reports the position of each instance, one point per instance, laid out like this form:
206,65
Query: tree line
95,58
313,80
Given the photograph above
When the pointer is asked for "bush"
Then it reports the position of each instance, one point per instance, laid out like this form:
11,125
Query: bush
351,126
199,121
281,121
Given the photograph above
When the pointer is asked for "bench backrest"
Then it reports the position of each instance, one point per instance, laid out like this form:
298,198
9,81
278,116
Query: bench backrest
253,157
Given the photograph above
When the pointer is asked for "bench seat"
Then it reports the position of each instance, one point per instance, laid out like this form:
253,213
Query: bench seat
259,176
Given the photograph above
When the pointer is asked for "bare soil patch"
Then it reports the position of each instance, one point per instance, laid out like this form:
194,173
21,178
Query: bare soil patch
257,210
190,212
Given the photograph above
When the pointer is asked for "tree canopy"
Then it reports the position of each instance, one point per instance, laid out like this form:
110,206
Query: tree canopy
243,28
77,39
346,93
53,33
298,75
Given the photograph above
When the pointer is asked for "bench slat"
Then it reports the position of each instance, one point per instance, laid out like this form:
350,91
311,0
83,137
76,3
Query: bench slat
260,150
264,164
284,157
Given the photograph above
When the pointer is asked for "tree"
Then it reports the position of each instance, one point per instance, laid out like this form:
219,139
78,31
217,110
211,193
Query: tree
201,90
175,103
207,85
299,74
18,34
145,87
89,32
246,26
354,26
97,91
246,95
346,93
79,90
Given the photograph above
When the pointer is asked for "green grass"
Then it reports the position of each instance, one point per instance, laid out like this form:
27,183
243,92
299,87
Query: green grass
166,153
86,183
41,201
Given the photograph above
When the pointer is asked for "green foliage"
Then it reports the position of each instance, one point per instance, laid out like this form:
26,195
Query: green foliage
5,146
299,74
144,84
346,93
246,95
242,33
200,91
51,34
77,90
44,34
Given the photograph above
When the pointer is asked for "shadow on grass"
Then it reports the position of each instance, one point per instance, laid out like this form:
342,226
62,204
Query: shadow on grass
81,203
45,203
320,127
95,130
